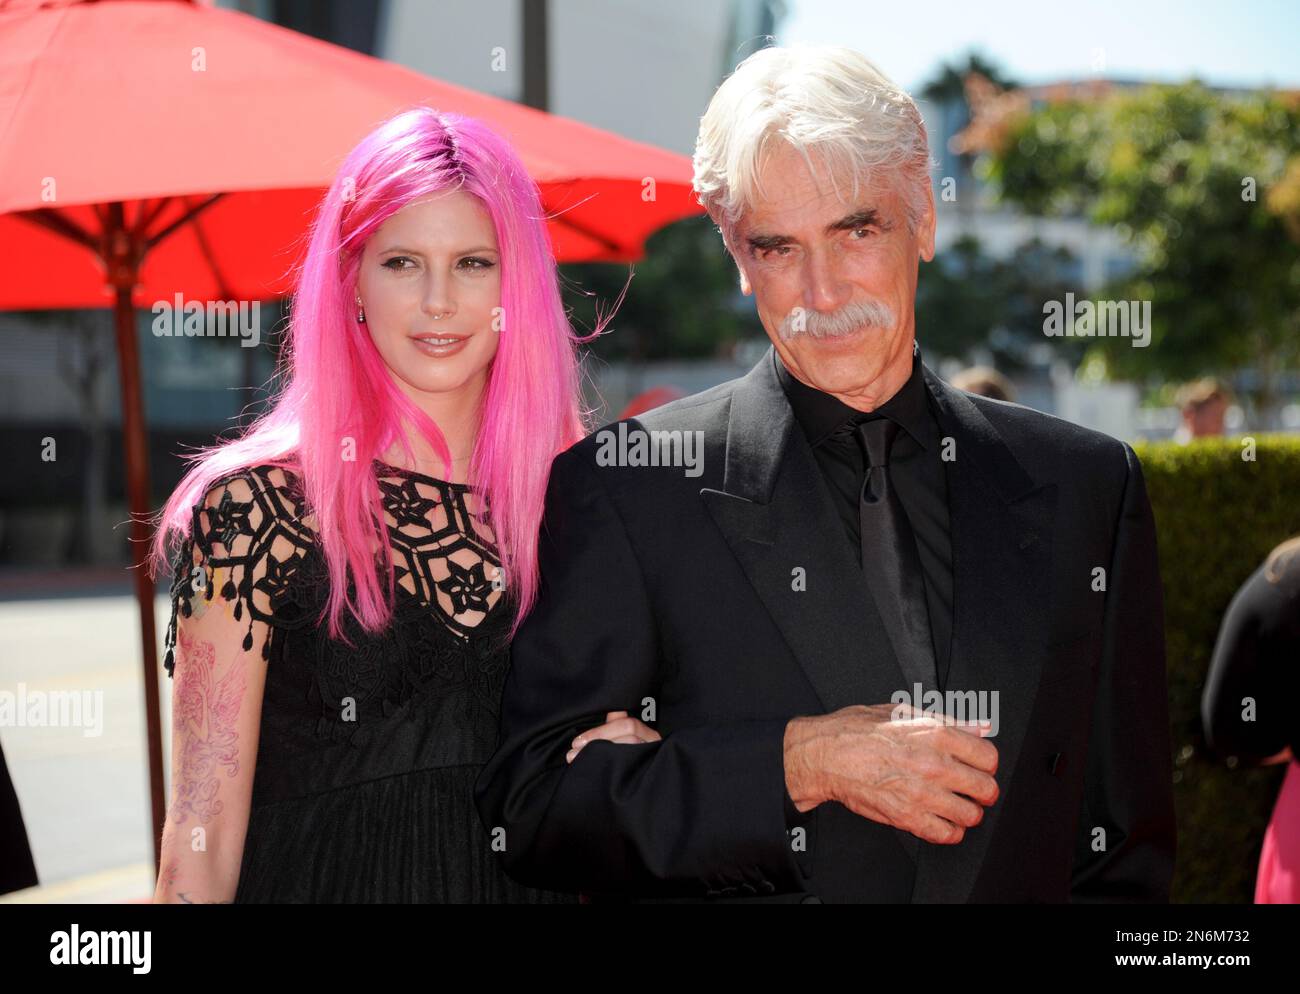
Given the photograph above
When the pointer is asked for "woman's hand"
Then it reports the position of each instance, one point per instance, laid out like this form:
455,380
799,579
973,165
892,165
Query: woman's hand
618,727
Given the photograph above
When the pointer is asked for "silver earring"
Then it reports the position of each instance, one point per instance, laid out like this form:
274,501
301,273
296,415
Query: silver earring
361,314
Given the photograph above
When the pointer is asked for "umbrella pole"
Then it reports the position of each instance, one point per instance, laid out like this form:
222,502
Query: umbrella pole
123,273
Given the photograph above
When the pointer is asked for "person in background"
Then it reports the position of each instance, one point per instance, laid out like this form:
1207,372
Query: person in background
986,382
17,870
1247,711
1204,404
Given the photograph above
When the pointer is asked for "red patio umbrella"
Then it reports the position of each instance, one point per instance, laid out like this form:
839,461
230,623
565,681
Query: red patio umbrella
156,147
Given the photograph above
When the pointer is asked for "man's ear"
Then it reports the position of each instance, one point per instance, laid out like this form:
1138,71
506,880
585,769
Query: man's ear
926,225
729,234
745,288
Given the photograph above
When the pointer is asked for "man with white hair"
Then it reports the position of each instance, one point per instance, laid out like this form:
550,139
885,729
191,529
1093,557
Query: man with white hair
869,564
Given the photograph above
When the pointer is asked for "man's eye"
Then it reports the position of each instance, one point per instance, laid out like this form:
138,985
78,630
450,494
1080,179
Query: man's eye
780,252
864,231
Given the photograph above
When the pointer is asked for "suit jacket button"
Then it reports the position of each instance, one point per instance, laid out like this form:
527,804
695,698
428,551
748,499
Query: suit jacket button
811,899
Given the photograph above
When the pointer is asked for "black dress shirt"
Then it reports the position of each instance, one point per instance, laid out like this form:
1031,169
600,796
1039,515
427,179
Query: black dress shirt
915,466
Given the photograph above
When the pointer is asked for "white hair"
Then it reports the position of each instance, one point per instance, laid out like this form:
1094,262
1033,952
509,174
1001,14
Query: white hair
833,101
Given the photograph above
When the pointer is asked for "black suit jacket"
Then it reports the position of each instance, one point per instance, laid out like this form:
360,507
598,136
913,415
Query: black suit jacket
680,592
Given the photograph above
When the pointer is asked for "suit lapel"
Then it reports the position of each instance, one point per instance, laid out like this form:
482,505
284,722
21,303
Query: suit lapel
1001,529
776,515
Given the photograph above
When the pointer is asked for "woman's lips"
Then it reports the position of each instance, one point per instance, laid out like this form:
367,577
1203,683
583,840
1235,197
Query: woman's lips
425,343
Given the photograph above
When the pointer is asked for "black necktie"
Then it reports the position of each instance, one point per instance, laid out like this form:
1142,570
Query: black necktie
890,562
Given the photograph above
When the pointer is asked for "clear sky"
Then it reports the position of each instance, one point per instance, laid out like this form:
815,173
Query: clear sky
1246,43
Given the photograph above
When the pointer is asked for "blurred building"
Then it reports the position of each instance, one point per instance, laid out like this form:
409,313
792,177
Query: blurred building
643,70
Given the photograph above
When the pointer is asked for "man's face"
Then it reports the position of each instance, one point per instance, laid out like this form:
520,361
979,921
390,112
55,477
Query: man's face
850,268
1207,420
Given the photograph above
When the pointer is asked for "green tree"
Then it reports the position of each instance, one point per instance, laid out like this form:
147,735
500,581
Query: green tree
1205,187
967,299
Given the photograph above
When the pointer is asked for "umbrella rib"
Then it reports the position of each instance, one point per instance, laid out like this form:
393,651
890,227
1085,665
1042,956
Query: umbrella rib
189,215
560,215
223,291
47,217
144,220
586,232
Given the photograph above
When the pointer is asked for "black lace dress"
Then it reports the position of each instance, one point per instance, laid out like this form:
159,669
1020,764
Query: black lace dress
367,756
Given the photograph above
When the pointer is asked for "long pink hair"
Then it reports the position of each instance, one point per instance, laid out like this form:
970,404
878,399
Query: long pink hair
338,386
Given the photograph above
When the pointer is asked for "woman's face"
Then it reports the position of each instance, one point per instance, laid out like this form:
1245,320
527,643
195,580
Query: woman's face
430,285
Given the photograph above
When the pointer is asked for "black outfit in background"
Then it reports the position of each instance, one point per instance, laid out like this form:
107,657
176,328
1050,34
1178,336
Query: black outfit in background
17,871
1257,655
658,585
375,806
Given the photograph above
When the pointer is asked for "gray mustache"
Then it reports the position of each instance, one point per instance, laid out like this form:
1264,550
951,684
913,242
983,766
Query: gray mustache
816,324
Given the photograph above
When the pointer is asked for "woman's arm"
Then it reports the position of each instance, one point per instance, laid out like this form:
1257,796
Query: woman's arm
216,660
216,712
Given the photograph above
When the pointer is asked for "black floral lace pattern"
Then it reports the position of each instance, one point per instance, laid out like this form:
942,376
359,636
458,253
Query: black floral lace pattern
254,537
248,534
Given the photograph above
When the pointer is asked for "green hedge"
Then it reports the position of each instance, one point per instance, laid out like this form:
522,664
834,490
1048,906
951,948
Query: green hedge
1218,516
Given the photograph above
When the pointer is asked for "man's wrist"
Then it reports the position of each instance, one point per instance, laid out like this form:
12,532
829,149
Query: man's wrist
801,772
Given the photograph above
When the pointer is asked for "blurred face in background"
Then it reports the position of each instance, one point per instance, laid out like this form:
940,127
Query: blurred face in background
834,282
1205,419
429,283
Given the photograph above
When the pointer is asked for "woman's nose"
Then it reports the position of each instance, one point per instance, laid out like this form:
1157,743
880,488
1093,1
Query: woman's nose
437,297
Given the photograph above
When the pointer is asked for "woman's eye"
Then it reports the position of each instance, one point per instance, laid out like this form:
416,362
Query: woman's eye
392,263
474,262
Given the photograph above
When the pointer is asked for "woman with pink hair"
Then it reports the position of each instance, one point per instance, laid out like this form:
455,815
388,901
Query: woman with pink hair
349,572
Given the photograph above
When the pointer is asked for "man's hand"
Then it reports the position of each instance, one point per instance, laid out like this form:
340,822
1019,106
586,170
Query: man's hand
921,773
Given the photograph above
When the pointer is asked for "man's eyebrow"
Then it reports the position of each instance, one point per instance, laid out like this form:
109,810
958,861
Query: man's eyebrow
864,218
768,241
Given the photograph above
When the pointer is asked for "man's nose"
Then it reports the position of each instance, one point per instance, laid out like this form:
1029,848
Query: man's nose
824,288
